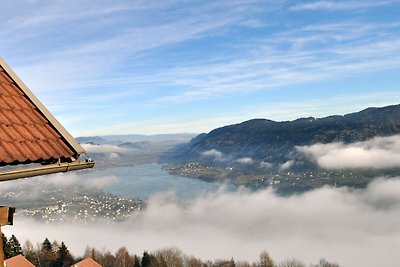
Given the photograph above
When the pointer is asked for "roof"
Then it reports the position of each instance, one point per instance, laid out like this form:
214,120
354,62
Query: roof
88,262
18,261
28,131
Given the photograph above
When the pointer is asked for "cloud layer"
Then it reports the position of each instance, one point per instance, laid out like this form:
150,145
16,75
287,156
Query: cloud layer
352,227
377,153
104,148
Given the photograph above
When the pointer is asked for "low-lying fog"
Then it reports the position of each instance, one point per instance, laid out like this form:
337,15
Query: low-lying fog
351,227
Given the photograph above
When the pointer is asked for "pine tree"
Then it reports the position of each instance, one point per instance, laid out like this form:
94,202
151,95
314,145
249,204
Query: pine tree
47,255
46,246
146,259
15,246
6,247
64,258
136,262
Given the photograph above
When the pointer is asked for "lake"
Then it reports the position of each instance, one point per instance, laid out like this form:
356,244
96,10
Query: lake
145,180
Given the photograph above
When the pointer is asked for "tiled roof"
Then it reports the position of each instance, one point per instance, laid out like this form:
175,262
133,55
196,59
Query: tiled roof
88,262
26,135
18,261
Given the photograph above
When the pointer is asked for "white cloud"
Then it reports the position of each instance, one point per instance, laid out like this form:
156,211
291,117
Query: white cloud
287,165
376,153
352,227
114,156
60,180
101,182
214,154
72,66
104,148
340,5
315,52
245,161
266,165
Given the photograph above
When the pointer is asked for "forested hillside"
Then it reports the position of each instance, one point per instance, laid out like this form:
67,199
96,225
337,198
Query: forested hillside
266,140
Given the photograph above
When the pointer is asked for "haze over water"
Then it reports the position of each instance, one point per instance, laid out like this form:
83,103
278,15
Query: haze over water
145,180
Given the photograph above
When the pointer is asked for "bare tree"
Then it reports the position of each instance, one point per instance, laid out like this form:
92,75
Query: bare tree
266,260
191,261
169,257
123,259
243,264
30,253
107,259
325,263
291,263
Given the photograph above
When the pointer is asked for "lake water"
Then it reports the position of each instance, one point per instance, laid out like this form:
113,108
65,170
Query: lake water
145,180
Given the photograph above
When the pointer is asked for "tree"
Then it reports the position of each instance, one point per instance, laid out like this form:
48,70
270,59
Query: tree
136,262
30,253
46,255
6,247
123,259
15,247
107,259
266,260
325,263
46,245
192,262
64,258
146,261
224,263
169,257
92,253
243,264
291,263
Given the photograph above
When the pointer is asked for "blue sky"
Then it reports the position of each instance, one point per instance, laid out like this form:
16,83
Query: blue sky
171,66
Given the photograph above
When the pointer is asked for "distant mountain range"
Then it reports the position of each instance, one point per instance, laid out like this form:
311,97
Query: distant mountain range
271,141
127,150
133,138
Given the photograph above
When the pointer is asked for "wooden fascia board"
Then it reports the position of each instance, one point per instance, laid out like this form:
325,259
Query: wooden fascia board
78,149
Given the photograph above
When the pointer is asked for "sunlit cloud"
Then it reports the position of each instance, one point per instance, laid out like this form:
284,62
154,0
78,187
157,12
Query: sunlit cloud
104,148
245,161
319,223
214,154
377,153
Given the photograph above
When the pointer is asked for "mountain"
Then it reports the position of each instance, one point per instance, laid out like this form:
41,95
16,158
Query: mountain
271,141
92,140
132,138
136,145
127,150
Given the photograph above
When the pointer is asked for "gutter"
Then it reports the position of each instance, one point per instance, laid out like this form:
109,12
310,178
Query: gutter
47,169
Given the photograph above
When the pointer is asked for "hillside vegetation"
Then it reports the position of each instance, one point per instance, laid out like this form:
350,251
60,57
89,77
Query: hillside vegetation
267,140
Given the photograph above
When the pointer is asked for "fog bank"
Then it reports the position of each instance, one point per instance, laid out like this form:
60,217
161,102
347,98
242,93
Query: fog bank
351,227
376,153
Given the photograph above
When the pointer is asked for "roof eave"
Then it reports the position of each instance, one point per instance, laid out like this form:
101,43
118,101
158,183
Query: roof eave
45,169
78,149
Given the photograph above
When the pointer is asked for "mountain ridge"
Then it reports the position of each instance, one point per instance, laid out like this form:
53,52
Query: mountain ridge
267,140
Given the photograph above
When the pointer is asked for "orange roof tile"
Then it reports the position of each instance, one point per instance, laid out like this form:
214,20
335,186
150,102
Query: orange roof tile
88,262
18,261
26,135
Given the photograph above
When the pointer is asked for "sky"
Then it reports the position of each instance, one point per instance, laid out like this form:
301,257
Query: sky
173,66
